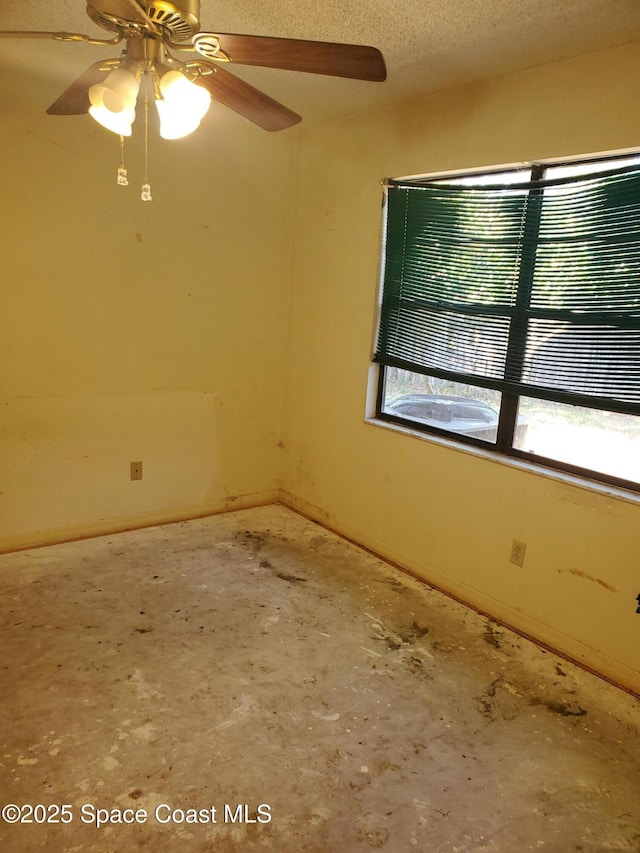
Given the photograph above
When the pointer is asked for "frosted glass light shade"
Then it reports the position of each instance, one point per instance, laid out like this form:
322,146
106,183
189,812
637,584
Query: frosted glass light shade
182,106
113,101
175,122
119,123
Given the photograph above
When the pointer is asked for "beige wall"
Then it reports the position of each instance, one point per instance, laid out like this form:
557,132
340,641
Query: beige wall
445,514
133,331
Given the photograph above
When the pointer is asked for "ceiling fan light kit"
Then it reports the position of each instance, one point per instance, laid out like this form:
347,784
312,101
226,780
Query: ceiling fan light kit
182,90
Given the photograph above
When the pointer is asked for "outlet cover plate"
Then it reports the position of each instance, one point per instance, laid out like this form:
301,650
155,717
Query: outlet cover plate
517,552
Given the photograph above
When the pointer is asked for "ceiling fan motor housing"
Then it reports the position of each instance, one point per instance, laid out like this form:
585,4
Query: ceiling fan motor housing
181,20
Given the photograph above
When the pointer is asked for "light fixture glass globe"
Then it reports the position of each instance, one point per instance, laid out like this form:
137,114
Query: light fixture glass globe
113,101
175,123
182,106
119,123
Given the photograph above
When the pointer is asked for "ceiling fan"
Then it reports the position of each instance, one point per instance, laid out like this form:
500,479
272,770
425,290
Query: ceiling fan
152,29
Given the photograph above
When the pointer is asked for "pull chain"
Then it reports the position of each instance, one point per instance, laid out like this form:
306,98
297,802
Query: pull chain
123,180
146,187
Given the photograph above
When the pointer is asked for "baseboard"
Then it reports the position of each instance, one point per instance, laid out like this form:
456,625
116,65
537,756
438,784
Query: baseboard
138,521
543,635
546,636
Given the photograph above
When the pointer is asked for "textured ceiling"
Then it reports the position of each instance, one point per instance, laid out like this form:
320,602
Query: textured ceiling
428,45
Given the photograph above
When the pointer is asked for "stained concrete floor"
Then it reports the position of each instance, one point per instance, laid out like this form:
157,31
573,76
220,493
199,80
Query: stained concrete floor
253,659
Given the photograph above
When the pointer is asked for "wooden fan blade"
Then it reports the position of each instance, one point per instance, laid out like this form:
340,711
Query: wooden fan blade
315,57
74,101
251,103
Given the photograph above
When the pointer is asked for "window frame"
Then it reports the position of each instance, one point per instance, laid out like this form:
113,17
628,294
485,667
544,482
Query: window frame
508,412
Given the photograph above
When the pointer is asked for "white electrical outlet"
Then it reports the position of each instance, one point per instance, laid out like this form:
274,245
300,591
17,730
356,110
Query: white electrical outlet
517,552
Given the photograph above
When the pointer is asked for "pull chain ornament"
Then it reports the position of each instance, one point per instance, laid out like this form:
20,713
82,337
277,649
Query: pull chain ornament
123,180
145,194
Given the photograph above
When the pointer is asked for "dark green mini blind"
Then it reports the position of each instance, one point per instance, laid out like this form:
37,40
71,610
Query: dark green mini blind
530,289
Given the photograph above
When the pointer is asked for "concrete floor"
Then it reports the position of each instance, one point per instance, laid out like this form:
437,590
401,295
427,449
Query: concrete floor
254,659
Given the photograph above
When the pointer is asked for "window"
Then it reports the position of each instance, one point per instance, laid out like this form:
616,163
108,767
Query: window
510,313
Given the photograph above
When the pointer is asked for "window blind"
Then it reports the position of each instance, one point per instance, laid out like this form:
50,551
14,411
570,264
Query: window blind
529,289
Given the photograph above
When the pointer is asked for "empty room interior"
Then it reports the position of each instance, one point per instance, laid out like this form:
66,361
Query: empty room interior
266,584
